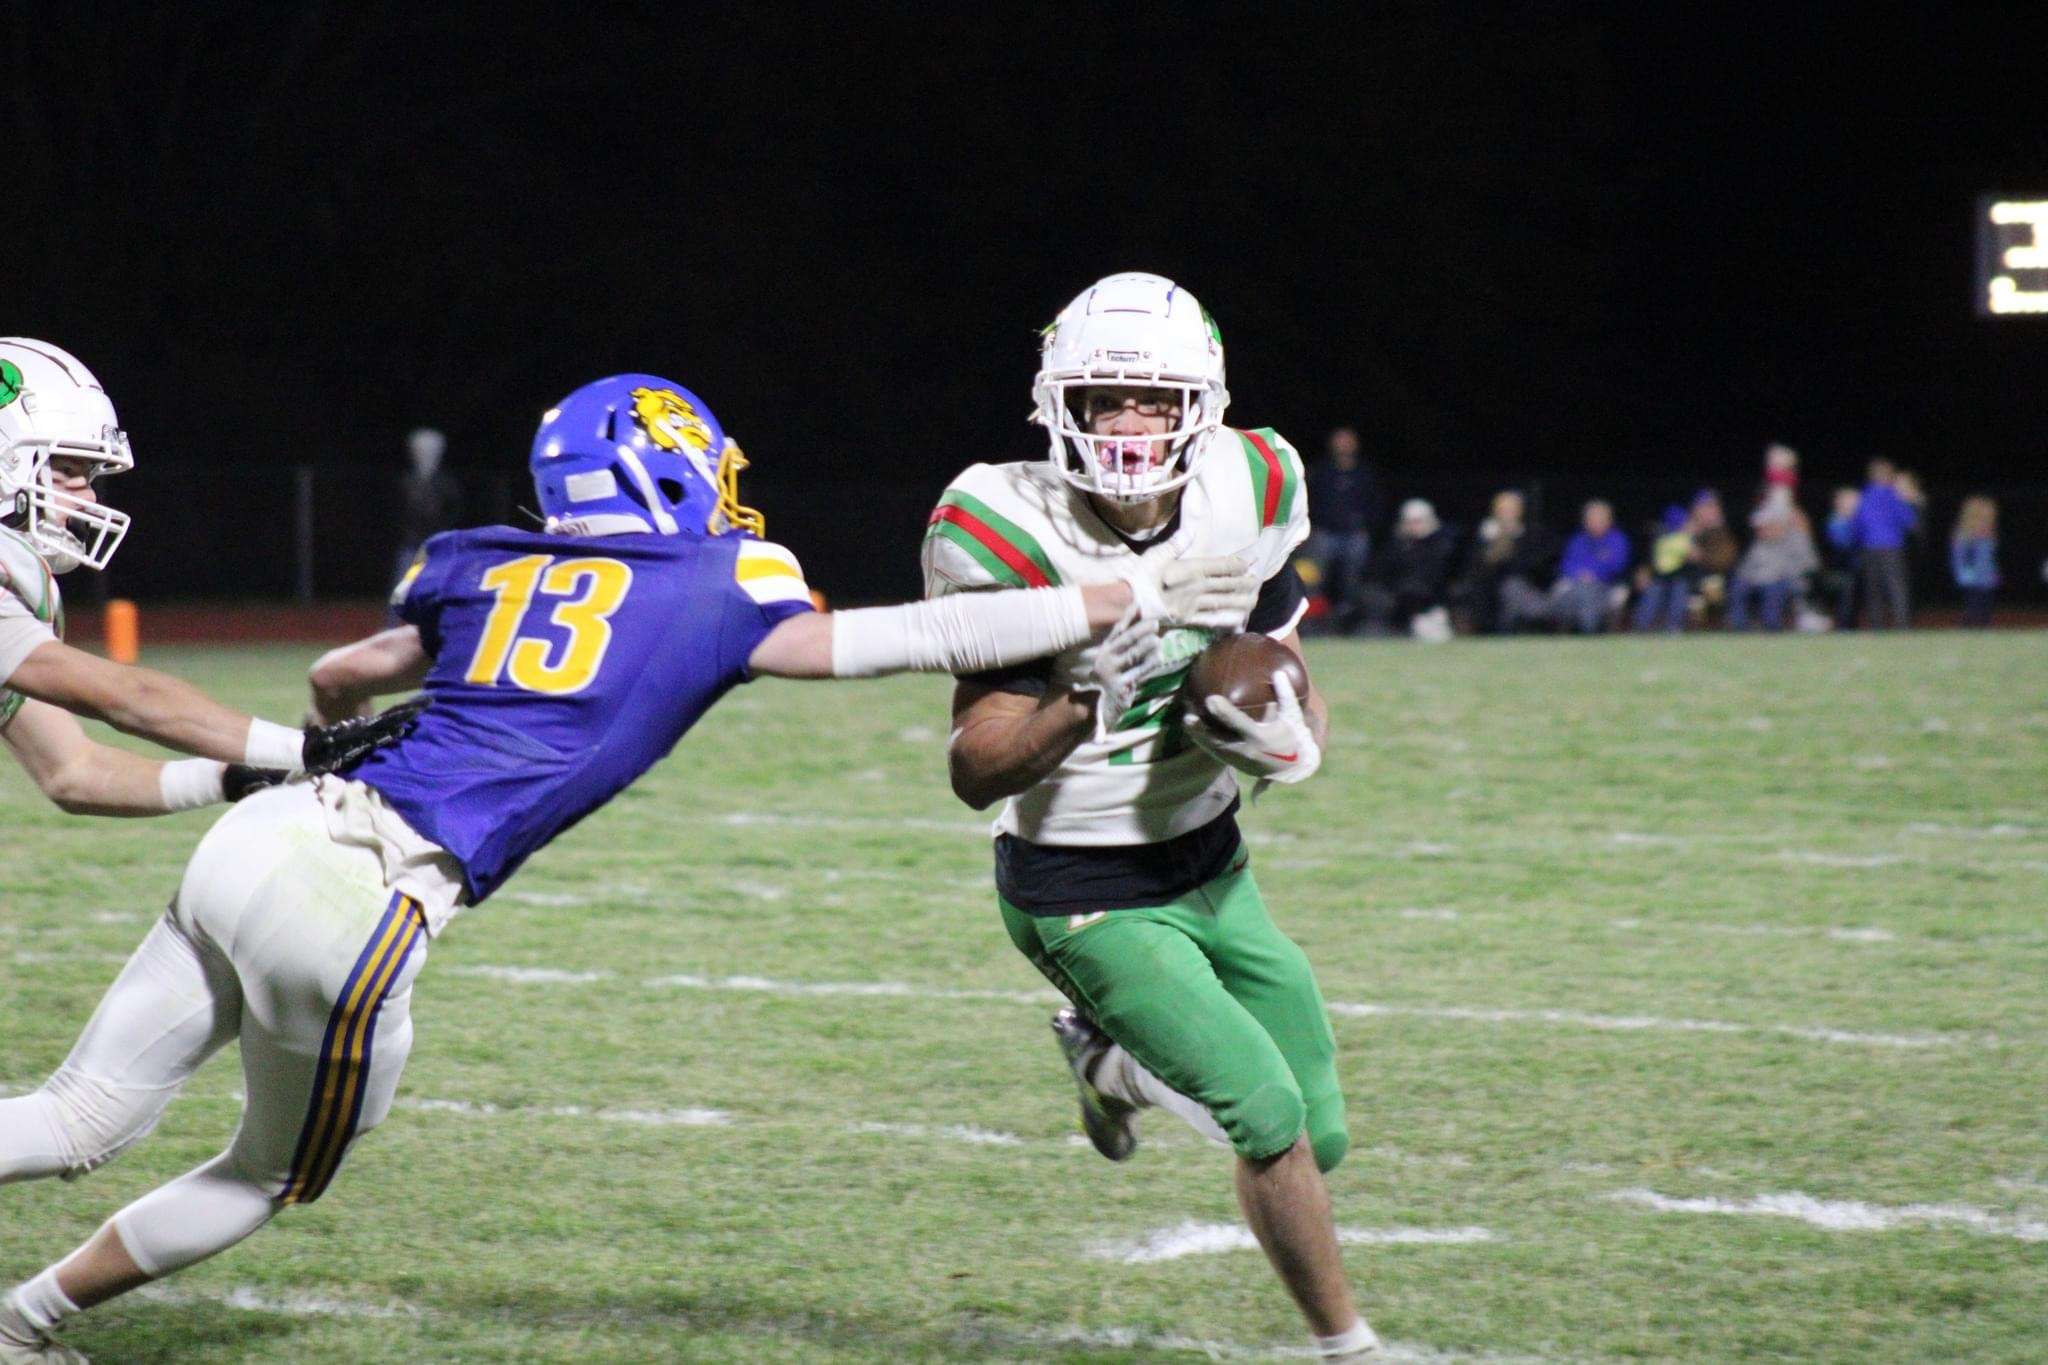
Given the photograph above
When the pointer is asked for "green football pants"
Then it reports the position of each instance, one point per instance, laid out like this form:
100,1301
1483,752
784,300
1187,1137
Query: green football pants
1212,998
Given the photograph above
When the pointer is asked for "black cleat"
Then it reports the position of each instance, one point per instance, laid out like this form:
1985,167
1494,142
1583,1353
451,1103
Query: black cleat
1110,1123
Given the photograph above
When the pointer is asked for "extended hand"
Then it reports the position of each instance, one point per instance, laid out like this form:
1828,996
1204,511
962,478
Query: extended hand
329,748
1127,657
1211,593
1280,749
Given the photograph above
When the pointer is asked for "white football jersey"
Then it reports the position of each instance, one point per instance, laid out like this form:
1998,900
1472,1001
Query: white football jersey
31,611
1138,780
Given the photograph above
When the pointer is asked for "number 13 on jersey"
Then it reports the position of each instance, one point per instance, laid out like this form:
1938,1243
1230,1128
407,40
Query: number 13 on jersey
584,593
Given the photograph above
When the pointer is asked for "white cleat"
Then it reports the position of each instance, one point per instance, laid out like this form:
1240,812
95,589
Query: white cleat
1364,1351
21,1344
1110,1123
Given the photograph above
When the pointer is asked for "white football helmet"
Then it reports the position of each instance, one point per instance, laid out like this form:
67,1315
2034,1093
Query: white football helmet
1133,330
52,407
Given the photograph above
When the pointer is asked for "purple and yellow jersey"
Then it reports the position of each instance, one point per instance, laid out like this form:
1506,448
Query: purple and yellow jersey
563,669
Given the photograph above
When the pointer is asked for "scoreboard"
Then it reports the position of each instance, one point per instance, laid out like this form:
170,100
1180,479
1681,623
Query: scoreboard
2012,256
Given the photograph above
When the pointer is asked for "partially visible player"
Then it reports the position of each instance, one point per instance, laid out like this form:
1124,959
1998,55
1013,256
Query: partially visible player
562,664
58,434
1119,869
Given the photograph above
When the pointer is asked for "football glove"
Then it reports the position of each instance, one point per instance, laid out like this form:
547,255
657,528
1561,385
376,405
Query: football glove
1125,659
238,780
330,748
1280,749
1210,593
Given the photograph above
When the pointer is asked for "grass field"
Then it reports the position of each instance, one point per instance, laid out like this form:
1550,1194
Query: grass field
1691,996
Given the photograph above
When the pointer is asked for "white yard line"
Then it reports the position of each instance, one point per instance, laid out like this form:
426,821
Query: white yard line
526,976
1849,1215
903,990
290,1305
1840,860
646,1118
1209,1239
1635,1023
893,990
1843,934
950,1132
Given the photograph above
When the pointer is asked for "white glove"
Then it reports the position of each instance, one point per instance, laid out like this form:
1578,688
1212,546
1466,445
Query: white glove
1127,658
1277,750
1213,593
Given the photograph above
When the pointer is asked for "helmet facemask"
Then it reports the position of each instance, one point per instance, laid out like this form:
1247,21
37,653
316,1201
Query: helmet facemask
65,530
1128,467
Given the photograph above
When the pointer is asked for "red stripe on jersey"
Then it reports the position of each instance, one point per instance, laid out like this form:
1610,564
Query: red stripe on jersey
1276,478
1013,558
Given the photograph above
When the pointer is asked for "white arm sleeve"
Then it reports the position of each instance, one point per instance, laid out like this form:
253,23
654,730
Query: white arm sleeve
959,633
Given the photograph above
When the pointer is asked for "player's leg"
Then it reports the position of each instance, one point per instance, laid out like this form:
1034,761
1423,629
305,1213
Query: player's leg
173,1005
324,960
1144,981
1285,1199
317,1079
1267,973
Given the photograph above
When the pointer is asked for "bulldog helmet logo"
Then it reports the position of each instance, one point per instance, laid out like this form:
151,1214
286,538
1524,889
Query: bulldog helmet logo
669,420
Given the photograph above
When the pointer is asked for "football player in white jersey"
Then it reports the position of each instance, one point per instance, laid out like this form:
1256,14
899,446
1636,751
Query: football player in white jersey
1119,869
58,434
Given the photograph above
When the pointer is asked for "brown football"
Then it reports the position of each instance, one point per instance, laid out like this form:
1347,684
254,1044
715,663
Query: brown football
1239,668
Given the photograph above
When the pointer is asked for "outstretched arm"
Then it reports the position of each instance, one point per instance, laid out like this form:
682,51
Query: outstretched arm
345,679
971,632
89,778
152,705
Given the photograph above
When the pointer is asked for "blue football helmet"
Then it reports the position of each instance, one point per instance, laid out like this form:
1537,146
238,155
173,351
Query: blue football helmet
638,453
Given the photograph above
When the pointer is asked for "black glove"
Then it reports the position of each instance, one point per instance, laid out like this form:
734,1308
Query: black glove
239,780
330,748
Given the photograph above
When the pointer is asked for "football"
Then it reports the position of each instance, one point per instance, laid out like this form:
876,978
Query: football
1239,668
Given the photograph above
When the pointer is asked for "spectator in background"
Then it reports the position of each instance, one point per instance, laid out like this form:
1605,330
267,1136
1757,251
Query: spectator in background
1411,575
1669,576
1772,573
1885,517
1714,549
1585,594
1513,556
430,500
1781,473
1343,507
1973,558
1839,569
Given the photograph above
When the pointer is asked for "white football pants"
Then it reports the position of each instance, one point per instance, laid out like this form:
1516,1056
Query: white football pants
284,940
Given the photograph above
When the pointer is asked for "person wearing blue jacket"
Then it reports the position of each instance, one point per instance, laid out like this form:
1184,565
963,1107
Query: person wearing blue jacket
1594,561
1877,532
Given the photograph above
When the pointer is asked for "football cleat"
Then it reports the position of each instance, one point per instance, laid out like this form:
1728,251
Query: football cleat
22,1344
1110,1123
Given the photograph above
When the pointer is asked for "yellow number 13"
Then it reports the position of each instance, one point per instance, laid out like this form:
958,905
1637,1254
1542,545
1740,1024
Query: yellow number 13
590,589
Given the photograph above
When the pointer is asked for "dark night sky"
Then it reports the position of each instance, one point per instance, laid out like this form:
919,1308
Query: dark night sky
1616,244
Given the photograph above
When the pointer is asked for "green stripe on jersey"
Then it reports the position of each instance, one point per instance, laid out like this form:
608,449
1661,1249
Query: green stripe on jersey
1020,539
1262,473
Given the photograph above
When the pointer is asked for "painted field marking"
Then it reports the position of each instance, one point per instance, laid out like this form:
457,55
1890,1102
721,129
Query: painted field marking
246,1300
953,1132
1839,934
900,990
1848,1215
1210,1239
1629,1023
1840,860
646,1118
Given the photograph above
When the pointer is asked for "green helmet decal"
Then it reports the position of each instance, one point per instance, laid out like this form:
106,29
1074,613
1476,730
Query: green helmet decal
1215,332
10,382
